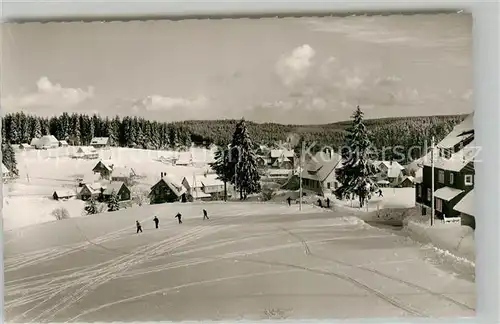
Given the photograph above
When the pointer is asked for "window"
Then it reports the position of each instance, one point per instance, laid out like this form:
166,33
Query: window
439,205
441,176
328,185
419,191
452,178
429,194
468,179
335,185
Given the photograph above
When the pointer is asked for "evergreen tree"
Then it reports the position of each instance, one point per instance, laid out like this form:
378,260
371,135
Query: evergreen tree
357,172
113,204
76,136
91,206
223,167
36,129
247,177
9,158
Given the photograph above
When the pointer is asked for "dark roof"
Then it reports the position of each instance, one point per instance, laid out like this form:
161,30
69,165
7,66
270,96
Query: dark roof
178,191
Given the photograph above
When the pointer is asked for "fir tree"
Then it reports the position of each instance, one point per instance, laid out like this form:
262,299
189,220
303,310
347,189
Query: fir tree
357,172
223,167
91,206
37,128
113,204
247,178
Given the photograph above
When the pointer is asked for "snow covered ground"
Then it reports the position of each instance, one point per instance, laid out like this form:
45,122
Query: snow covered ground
249,261
28,201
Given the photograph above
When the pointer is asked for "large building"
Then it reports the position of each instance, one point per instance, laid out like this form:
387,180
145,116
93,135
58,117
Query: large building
453,172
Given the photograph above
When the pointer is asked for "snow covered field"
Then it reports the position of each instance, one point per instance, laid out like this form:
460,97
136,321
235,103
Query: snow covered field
273,263
28,201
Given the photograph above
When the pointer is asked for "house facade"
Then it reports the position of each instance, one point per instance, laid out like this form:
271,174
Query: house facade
100,142
103,169
282,159
63,194
88,191
86,152
390,171
120,188
319,174
46,142
122,174
453,172
166,191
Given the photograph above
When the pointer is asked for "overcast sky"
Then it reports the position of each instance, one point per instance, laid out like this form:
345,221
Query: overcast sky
307,70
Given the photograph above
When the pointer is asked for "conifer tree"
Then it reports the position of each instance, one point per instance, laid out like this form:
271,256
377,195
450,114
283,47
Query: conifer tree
37,128
247,177
91,206
223,167
113,204
357,172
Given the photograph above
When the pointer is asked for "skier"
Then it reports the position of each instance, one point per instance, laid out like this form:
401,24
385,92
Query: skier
139,227
380,194
289,200
205,214
179,216
157,221
328,202
320,203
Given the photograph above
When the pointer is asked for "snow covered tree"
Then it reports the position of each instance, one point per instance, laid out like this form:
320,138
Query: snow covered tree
241,154
113,204
223,167
91,206
357,171
36,130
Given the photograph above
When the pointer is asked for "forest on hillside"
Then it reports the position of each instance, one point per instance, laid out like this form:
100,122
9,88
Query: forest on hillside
135,132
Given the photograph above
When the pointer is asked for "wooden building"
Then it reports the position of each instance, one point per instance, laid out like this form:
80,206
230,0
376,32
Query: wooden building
453,172
167,191
104,169
63,194
100,142
319,175
120,188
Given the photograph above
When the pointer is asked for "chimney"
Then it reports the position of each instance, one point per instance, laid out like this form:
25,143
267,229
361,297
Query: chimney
161,176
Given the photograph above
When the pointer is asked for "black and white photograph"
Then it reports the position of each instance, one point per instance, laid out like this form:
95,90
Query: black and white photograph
293,168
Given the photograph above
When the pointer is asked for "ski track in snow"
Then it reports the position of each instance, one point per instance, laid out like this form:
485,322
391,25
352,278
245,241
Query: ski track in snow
83,280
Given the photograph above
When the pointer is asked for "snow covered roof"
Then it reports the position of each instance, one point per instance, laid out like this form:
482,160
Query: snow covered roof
383,182
116,186
456,162
388,164
121,172
394,171
48,140
319,169
63,142
447,193
4,169
198,193
105,164
466,205
412,179
65,193
191,182
276,172
210,180
34,141
177,189
86,150
99,141
24,145
284,153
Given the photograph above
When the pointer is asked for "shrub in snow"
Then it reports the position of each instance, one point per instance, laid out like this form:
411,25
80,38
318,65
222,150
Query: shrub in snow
140,196
267,193
91,206
113,204
60,213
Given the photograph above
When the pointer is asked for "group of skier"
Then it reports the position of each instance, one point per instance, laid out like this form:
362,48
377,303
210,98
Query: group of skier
320,202
157,221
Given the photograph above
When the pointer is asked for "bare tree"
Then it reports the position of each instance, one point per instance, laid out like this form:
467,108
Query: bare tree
60,213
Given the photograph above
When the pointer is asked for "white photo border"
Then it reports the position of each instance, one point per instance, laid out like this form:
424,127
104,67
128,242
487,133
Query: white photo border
486,37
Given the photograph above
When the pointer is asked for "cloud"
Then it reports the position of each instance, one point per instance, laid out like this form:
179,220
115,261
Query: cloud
48,94
296,65
160,103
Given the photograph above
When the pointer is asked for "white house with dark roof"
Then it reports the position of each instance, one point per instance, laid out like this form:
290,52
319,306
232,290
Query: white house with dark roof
282,158
319,175
100,142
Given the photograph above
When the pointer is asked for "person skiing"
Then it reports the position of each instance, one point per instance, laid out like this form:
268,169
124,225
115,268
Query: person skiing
157,221
179,217
320,203
289,200
139,227
380,194
205,214
328,202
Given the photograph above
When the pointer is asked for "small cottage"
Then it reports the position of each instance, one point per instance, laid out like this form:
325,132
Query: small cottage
120,188
100,142
34,141
63,143
104,169
90,190
184,159
47,142
407,182
86,152
122,174
167,191
282,159
63,194
194,189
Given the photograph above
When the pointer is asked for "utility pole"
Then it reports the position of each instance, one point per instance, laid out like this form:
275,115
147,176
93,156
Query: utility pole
432,185
300,182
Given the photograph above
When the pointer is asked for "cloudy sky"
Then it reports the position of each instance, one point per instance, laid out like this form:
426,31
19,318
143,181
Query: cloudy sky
293,70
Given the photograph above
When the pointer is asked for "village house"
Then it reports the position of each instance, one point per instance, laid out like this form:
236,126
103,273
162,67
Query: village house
167,191
407,182
104,169
46,142
121,189
453,172
282,159
184,159
100,142
319,174
86,152
390,171
212,186
63,143
465,207
262,161
25,146
63,194
122,174
278,174
88,191
194,189
34,141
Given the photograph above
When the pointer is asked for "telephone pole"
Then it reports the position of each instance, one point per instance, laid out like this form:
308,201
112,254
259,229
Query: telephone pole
432,179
